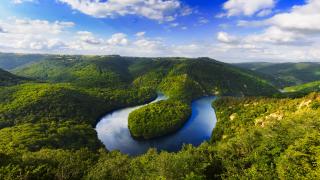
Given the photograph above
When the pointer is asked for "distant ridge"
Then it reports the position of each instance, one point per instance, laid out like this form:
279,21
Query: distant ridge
7,79
197,76
286,74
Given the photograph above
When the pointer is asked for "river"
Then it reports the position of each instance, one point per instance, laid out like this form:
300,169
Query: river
113,130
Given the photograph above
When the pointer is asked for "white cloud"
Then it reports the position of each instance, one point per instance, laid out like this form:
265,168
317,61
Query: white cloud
226,38
186,11
161,10
304,19
2,30
277,36
184,28
88,38
145,43
264,12
174,24
26,34
244,23
300,18
203,20
286,36
140,34
26,26
149,47
247,7
271,35
299,26
276,42
118,39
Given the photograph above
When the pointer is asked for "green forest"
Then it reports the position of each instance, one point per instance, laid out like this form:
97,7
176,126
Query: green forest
50,106
306,88
158,119
286,74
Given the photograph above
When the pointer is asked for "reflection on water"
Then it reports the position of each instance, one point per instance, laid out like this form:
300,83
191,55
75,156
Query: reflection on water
114,133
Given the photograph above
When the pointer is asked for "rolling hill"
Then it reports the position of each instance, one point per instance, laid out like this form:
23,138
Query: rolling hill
286,74
268,138
9,61
191,77
7,79
47,126
85,71
305,88
181,79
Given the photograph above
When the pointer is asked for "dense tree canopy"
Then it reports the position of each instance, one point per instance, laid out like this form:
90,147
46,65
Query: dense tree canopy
286,74
305,88
158,119
8,79
47,129
268,138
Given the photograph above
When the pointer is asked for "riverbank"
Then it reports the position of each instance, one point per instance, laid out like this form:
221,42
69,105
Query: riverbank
113,130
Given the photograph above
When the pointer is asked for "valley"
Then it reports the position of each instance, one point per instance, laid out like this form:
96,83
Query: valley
159,89
69,117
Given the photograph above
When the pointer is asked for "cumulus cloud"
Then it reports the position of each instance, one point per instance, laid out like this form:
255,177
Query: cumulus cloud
276,42
286,36
118,39
32,34
301,18
278,36
140,34
184,28
174,24
226,38
271,35
247,7
145,43
264,12
26,26
40,36
299,26
161,10
2,30
88,38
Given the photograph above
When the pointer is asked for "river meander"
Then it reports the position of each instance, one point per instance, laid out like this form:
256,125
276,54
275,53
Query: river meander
113,130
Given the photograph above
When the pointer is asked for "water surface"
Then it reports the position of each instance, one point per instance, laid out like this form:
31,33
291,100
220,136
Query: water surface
114,133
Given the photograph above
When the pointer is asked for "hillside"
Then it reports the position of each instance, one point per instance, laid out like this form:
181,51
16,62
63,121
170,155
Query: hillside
84,71
172,75
304,88
181,79
255,138
47,129
7,79
9,61
287,74
265,138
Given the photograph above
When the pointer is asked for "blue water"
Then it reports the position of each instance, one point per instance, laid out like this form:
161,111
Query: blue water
114,133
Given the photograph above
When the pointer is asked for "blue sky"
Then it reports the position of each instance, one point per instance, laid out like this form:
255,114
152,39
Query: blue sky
227,30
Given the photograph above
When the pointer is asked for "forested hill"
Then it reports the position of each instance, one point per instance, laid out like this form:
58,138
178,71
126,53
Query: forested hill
305,88
191,77
9,61
286,74
47,126
6,78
